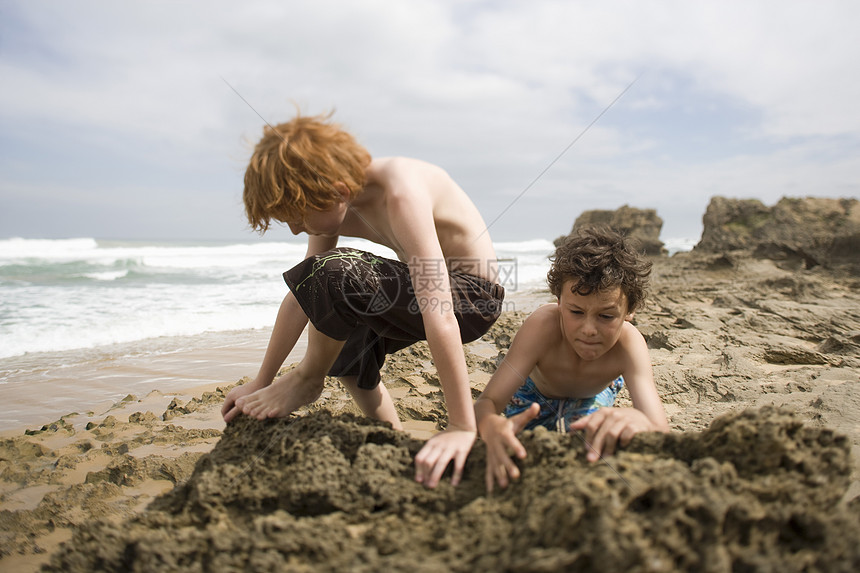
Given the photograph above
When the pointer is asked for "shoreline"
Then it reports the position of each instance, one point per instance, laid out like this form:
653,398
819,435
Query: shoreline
40,388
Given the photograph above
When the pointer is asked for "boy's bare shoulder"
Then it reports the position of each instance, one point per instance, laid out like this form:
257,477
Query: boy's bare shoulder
391,168
544,319
545,310
629,329
405,176
630,337
401,162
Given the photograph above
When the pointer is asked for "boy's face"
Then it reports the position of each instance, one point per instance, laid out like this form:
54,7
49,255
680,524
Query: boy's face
324,223
592,323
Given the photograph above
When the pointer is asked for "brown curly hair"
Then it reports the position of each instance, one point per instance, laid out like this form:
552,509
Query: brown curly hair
294,168
600,259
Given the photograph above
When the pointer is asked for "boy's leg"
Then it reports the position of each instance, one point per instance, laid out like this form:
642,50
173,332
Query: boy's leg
298,387
374,403
337,290
364,298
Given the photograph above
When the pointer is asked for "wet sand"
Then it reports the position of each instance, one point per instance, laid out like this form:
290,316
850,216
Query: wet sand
36,388
758,368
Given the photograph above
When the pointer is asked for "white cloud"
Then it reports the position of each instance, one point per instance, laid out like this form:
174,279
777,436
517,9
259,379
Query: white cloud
491,90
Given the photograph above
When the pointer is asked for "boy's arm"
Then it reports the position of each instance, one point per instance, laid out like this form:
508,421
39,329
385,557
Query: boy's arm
641,385
289,324
410,212
530,342
499,433
611,426
291,320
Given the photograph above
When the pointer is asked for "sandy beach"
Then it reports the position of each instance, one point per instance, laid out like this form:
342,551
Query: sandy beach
757,366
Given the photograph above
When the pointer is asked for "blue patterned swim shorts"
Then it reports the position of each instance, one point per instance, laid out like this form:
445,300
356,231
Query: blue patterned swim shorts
559,413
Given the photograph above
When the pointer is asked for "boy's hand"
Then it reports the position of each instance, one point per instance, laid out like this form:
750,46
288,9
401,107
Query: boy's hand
499,434
439,451
608,427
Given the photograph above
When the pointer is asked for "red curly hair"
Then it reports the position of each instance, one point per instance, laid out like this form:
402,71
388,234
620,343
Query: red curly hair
294,168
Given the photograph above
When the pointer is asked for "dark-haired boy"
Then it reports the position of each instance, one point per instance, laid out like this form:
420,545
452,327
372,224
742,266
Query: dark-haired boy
569,359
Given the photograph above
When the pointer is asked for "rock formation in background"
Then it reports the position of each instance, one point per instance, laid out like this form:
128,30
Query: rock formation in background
643,225
796,232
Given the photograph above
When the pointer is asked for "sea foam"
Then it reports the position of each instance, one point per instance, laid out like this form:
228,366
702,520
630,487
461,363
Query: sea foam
58,295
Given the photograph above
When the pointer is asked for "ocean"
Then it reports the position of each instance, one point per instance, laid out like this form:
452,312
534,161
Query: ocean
85,293
74,302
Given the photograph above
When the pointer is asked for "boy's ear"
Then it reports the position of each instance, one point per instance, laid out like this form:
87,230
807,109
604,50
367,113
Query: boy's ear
343,190
629,317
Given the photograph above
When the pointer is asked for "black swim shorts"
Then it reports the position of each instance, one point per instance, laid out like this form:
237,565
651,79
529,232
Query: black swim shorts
369,302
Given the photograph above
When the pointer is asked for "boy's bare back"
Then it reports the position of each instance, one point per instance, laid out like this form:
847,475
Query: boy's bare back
417,210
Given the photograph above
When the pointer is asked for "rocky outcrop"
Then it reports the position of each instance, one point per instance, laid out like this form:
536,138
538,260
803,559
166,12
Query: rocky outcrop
643,225
796,232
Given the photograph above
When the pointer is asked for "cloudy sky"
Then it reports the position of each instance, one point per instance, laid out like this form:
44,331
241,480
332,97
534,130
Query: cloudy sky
117,120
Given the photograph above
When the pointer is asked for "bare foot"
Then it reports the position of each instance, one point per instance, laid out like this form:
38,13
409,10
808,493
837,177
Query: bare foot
283,397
